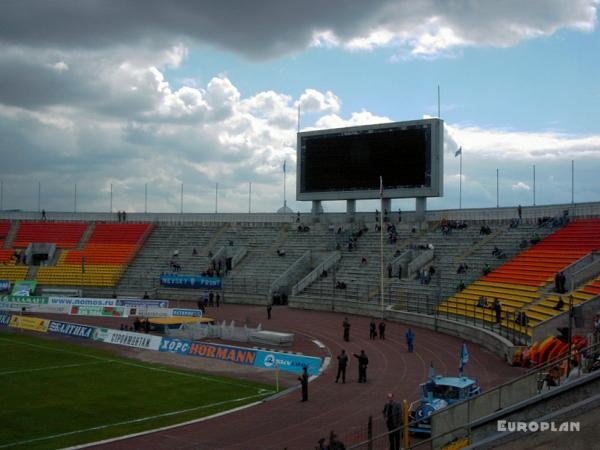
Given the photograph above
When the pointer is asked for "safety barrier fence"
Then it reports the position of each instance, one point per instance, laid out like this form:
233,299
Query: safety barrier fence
529,213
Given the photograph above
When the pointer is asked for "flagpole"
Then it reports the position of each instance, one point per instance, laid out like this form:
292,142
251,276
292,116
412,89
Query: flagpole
381,244
284,194
460,183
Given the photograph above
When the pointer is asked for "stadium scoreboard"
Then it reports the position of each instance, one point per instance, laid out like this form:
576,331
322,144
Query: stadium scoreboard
347,163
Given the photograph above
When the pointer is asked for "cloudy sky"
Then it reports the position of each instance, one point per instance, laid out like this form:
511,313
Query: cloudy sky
133,94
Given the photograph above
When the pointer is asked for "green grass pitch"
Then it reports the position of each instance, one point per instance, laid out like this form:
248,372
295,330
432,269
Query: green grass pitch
57,394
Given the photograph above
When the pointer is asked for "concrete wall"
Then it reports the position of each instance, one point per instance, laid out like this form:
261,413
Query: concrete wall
496,344
549,405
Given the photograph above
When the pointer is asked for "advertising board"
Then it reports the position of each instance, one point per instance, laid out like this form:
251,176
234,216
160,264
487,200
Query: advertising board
29,323
136,303
70,329
190,281
241,355
82,301
127,338
102,311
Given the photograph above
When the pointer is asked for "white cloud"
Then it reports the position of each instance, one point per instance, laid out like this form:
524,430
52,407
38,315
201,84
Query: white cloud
520,186
60,66
313,101
357,118
480,143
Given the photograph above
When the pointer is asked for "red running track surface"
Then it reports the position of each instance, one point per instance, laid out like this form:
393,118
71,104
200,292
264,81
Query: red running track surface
288,423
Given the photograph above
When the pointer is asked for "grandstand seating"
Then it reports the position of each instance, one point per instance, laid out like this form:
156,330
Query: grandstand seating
102,261
63,234
4,229
12,273
518,284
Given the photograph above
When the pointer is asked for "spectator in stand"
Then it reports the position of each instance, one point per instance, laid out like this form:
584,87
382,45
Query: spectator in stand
363,261
461,286
559,304
482,303
486,269
462,268
497,308
560,282
552,378
146,296
574,373
485,230
521,318
597,327
280,252
520,212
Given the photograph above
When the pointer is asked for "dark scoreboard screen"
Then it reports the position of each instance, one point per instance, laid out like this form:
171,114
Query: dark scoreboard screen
356,160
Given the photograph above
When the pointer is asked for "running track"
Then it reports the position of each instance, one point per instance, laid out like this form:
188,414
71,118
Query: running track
288,423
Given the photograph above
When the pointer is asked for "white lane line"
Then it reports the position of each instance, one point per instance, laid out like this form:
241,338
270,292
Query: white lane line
132,364
168,427
128,422
318,343
39,369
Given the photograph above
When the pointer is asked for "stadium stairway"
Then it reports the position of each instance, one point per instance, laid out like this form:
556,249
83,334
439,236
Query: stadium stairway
143,274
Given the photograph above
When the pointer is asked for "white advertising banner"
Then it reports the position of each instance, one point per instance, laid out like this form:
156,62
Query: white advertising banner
127,338
82,301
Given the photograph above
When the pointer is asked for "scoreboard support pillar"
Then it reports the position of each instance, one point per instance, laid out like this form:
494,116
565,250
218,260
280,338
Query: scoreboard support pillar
350,210
317,210
386,208
420,208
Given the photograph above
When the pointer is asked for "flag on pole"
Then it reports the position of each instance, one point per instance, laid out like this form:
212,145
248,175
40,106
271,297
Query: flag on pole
284,161
458,152
464,357
381,187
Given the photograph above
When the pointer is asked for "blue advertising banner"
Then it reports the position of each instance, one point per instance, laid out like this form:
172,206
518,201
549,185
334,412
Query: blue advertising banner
4,319
4,285
175,346
242,355
287,362
186,313
190,281
70,329
134,303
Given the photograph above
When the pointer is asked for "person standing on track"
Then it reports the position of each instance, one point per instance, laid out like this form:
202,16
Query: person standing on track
393,419
342,364
382,330
346,326
410,339
303,379
372,330
363,362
